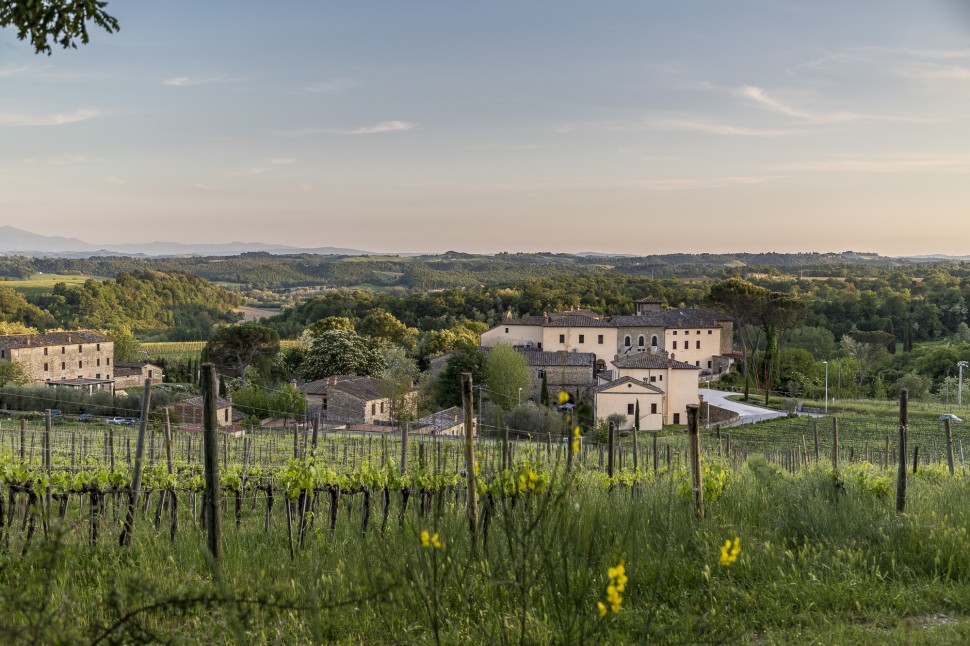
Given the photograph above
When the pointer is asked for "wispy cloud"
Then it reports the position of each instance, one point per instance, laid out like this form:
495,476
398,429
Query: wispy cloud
67,160
59,119
189,81
267,166
377,128
331,86
206,187
891,164
701,183
11,70
761,97
113,180
674,124
714,128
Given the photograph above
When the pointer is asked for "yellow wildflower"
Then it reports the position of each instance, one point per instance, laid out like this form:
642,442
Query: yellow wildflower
426,538
522,483
602,608
617,584
563,397
533,476
729,552
576,433
575,446
435,543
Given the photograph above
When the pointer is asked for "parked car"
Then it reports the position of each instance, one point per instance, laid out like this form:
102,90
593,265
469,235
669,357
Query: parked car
131,421
85,417
56,412
951,417
5,413
114,420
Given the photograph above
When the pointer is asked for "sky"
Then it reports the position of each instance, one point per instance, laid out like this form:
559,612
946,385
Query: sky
636,127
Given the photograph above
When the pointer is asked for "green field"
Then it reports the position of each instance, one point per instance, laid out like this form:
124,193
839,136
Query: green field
39,283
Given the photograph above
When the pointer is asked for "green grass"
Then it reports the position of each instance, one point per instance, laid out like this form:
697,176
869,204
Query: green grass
41,283
818,565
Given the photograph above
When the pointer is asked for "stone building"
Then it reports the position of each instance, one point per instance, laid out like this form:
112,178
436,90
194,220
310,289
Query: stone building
677,380
79,359
132,374
190,412
351,399
574,372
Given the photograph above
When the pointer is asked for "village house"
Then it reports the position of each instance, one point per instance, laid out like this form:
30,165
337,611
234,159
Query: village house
676,381
132,374
190,413
349,399
696,336
78,359
654,356
450,422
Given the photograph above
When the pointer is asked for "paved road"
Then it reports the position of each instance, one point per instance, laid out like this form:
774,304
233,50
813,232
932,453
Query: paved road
747,412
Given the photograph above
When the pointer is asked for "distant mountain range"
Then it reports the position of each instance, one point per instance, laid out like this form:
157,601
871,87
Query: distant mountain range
14,241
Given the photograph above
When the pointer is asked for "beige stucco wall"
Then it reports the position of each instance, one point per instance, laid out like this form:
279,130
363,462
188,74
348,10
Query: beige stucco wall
681,390
581,339
708,339
513,335
74,361
679,385
617,400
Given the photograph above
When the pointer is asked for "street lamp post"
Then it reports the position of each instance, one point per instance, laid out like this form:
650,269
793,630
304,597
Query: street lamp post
520,396
826,387
961,365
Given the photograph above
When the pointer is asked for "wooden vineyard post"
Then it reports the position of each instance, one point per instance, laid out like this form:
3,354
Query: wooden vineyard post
656,463
404,448
903,452
171,469
611,453
210,441
47,469
316,433
949,446
466,397
835,443
694,445
23,441
129,526
815,434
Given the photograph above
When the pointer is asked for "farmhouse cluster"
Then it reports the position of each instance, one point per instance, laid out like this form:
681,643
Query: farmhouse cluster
647,364
653,358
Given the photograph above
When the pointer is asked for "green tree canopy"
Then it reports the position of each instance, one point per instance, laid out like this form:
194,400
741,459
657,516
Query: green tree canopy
236,347
448,387
55,22
506,375
341,352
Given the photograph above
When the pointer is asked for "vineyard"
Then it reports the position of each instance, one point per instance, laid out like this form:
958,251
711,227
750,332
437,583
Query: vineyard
333,537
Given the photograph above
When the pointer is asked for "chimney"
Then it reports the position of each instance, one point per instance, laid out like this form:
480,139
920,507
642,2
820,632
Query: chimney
68,338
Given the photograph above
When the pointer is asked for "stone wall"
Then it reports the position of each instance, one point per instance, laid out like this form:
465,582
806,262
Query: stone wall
74,361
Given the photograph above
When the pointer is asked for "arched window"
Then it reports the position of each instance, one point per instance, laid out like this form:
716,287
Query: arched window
640,341
626,341
653,340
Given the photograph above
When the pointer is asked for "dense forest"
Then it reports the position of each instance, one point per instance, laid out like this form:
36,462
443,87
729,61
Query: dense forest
174,305
263,271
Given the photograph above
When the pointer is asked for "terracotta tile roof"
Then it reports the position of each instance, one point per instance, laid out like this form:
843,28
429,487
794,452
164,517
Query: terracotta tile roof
362,388
51,339
630,380
197,402
543,358
443,419
678,319
646,361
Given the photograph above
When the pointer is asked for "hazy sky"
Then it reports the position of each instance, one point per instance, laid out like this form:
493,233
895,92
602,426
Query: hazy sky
635,127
